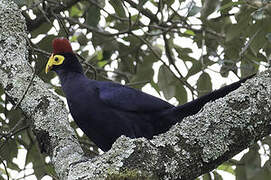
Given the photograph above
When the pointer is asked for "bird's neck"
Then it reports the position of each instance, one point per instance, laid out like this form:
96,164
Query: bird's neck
68,78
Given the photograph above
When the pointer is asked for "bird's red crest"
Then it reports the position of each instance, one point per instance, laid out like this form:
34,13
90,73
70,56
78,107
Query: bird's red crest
61,45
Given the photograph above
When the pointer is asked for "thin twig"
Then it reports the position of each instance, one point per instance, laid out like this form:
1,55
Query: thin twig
202,48
172,62
109,14
41,51
5,110
145,12
63,25
10,134
27,88
25,176
137,83
115,72
5,167
89,65
93,29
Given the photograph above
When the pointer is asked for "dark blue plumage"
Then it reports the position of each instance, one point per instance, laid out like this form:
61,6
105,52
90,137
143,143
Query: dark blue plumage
107,110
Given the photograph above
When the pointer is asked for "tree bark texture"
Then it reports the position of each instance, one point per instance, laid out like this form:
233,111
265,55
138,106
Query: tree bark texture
192,147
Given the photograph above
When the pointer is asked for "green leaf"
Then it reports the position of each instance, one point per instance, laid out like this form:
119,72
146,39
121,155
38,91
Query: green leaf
182,51
209,7
14,116
42,29
46,43
207,176
181,93
235,31
164,81
227,66
142,2
251,164
75,11
227,168
99,55
59,91
155,86
204,84
105,42
107,54
92,16
34,156
217,176
9,150
189,32
102,63
82,39
194,10
247,68
169,2
258,42
20,3
144,71
230,5
13,166
196,68
24,138
170,86
1,177
118,7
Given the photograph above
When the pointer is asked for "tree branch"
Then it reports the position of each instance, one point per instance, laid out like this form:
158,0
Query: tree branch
46,111
146,12
34,24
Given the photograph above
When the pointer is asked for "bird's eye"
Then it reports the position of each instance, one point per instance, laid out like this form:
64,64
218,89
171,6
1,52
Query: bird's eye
56,59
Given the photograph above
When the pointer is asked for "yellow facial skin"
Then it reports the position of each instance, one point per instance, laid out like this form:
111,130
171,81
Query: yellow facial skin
54,60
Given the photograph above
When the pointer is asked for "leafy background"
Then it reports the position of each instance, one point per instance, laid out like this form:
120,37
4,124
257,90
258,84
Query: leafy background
176,48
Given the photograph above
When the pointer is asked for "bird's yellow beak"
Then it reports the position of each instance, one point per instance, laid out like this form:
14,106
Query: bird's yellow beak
49,64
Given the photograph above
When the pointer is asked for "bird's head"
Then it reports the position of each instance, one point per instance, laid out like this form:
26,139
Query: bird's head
62,57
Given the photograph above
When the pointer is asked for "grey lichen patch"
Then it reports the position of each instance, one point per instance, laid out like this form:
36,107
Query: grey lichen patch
162,141
171,165
65,153
47,112
109,163
43,105
8,87
212,128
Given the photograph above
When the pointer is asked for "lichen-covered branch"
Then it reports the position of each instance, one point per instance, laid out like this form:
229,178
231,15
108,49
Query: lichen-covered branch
195,146
47,112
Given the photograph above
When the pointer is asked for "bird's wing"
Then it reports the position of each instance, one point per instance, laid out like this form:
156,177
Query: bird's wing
129,99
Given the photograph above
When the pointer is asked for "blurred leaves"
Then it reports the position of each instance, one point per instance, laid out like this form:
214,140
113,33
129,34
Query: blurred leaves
118,7
170,87
204,84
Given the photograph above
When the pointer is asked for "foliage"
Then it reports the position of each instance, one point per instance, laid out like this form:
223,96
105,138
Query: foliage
123,40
